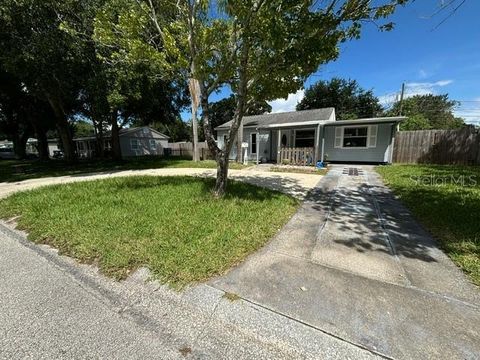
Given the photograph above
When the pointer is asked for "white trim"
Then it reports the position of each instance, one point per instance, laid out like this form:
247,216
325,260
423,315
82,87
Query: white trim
391,119
338,136
137,144
354,127
372,136
303,123
154,147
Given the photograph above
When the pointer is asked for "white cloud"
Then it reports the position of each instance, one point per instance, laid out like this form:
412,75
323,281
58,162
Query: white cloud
470,111
388,99
423,88
288,104
412,89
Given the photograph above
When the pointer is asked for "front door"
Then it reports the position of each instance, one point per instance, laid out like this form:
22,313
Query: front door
285,136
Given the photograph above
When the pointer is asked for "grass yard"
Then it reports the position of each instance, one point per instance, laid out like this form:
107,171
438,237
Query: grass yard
18,170
172,225
446,199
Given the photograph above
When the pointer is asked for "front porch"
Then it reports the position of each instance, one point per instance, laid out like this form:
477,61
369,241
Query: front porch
296,146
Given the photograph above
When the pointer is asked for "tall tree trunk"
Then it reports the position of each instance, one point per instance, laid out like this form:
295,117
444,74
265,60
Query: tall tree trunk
42,143
239,157
64,130
99,143
20,145
68,145
194,98
41,135
222,173
116,150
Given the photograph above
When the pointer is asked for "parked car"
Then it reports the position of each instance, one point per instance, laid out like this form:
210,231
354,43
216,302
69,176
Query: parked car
7,153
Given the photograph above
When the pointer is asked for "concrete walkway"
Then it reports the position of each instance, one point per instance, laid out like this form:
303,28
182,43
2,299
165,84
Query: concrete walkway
295,184
353,263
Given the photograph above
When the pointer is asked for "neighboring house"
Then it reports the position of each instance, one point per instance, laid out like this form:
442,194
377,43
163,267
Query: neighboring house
304,137
137,141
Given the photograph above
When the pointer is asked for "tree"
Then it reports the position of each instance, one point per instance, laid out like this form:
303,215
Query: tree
224,110
415,122
49,62
272,47
427,112
22,115
82,128
260,49
347,97
178,130
139,61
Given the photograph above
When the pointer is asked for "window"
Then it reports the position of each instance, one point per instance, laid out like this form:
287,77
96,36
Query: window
253,143
305,138
134,144
153,144
355,136
80,145
224,141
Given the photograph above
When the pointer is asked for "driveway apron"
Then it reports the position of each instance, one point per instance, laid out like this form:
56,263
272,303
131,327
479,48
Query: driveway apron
354,263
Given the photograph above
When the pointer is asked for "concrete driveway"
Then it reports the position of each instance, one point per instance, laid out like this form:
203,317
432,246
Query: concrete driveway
354,264
294,184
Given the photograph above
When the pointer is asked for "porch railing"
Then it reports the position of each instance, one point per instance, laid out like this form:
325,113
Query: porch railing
296,156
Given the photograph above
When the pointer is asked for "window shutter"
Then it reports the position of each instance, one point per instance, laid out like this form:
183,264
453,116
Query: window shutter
372,135
338,136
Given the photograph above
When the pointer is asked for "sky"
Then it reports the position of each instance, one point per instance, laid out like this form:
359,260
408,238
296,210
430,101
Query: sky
428,56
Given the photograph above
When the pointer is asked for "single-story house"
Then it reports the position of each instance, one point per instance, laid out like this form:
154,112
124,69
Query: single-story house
136,141
305,137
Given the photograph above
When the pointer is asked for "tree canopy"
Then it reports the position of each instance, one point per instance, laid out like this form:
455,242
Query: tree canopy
427,112
348,98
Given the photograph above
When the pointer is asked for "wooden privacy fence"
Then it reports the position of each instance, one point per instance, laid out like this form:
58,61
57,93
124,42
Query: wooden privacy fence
185,149
460,146
296,156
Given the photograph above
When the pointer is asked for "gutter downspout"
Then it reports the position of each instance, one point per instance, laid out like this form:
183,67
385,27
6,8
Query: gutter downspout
322,157
258,145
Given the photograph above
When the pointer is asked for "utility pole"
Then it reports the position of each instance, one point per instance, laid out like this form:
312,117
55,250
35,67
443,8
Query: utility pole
401,99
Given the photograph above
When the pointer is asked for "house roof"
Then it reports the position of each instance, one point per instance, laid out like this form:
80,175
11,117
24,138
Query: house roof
127,131
122,132
378,120
284,119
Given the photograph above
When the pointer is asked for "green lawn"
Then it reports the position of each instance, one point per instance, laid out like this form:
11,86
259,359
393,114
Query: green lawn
17,170
172,225
447,202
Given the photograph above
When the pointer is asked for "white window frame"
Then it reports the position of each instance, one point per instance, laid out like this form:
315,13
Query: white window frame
256,143
136,146
372,135
152,141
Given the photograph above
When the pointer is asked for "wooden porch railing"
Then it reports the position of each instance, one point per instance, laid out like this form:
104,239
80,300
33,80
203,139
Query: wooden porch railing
296,156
